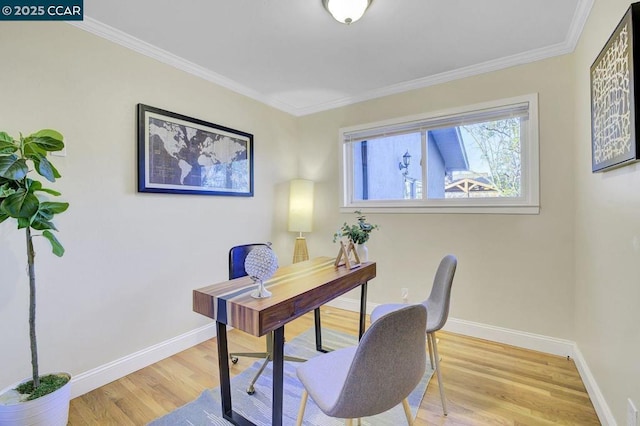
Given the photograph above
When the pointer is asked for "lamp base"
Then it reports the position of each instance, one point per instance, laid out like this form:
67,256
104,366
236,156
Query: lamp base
300,252
261,292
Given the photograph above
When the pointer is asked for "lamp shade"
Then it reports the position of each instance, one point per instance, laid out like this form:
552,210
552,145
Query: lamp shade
300,205
346,11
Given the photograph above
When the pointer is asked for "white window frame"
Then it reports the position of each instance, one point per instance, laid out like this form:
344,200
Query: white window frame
527,203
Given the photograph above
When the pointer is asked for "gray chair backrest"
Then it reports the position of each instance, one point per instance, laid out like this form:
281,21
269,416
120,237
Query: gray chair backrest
389,362
439,299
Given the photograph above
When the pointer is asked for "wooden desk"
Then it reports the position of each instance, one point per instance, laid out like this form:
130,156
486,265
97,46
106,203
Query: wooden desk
297,289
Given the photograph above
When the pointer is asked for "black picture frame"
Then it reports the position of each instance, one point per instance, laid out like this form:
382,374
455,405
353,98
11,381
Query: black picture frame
614,98
184,155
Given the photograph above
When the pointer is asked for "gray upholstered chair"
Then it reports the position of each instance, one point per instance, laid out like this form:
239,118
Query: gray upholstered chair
437,305
237,256
374,376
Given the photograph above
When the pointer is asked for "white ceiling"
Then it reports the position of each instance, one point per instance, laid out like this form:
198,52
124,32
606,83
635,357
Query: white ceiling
292,55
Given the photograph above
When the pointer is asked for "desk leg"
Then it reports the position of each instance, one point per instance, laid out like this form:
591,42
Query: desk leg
225,381
363,308
278,376
223,366
318,327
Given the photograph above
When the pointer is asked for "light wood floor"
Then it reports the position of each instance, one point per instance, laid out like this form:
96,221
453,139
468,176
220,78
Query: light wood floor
486,383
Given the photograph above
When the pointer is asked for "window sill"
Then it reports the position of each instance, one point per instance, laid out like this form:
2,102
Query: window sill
529,210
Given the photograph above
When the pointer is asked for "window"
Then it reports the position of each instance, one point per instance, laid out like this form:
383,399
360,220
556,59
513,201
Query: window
482,158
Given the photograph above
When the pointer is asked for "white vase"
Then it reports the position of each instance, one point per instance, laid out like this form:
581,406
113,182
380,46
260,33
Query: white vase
363,252
48,410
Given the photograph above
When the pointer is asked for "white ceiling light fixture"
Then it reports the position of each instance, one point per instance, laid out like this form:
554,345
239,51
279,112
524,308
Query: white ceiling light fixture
346,11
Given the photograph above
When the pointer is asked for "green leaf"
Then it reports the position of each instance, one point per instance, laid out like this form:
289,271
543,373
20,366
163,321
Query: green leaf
23,222
43,214
42,225
45,168
42,219
56,173
56,247
46,139
48,191
6,190
3,216
35,185
32,150
21,204
49,133
53,207
7,145
12,167
5,137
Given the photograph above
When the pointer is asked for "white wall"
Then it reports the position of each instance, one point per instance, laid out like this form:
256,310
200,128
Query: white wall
132,259
607,240
514,271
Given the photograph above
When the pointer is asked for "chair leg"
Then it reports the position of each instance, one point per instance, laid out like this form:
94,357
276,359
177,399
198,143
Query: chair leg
430,351
234,356
250,389
268,343
267,358
434,342
294,359
303,405
407,411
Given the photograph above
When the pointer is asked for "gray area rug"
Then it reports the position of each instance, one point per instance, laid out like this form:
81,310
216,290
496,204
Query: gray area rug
257,407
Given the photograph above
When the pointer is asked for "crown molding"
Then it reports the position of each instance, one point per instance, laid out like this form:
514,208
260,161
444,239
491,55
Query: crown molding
432,80
578,22
568,46
120,37
144,48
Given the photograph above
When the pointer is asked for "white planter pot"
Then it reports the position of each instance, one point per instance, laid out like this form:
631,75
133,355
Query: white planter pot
363,252
49,410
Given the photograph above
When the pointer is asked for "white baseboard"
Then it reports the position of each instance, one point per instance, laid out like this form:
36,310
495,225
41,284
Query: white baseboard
599,403
521,339
350,304
114,370
107,373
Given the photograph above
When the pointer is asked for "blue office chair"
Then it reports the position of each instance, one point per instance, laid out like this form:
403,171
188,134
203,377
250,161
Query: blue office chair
237,256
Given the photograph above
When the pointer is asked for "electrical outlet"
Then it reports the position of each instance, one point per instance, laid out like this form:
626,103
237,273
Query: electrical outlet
632,414
404,293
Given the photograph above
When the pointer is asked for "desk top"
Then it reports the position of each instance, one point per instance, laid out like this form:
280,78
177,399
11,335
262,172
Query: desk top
297,289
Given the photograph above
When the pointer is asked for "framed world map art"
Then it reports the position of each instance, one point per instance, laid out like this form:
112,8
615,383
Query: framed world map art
183,155
614,98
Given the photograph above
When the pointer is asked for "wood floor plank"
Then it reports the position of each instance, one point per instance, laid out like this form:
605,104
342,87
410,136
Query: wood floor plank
486,383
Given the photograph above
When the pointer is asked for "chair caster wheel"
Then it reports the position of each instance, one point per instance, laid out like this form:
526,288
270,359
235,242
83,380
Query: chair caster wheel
251,391
234,360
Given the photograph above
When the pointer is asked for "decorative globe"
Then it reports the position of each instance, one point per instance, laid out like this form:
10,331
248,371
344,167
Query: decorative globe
261,263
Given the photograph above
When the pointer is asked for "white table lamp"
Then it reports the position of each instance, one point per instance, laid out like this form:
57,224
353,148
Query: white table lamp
300,215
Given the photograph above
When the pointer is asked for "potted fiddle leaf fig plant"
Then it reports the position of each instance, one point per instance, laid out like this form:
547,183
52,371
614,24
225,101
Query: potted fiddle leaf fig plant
23,199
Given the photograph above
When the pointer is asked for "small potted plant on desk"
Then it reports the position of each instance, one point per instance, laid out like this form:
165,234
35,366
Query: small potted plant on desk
41,400
358,234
